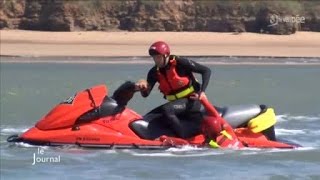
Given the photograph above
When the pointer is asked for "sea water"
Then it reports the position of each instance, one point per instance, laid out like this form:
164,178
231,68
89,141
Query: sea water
30,90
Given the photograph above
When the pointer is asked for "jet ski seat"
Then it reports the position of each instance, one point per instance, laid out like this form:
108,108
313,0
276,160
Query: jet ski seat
108,107
239,115
152,126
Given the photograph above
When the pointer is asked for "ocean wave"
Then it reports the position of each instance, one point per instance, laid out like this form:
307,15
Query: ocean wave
10,130
176,154
288,117
26,145
184,151
254,151
281,131
200,152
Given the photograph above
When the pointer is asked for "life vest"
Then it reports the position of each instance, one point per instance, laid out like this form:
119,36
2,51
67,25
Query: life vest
172,85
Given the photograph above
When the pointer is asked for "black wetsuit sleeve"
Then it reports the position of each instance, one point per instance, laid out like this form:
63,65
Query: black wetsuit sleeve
124,93
192,66
151,79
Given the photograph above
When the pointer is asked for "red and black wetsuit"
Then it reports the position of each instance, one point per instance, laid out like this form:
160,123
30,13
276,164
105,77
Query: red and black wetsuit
184,68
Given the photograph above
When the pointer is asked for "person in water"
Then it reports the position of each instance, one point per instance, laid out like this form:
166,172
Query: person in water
176,82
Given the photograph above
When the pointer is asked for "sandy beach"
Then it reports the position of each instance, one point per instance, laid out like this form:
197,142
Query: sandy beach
110,44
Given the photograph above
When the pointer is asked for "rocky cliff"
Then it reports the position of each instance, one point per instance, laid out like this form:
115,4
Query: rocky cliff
275,17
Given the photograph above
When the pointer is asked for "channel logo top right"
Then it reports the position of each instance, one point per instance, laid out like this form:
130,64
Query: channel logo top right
276,19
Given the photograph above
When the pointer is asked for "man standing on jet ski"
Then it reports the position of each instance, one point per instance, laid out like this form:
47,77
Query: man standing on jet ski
177,83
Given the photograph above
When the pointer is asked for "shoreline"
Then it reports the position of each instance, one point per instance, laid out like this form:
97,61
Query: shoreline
210,60
135,44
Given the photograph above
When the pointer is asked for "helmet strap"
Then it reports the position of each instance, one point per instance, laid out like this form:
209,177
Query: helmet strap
166,60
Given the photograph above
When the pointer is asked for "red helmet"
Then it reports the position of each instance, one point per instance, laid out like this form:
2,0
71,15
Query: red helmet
159,47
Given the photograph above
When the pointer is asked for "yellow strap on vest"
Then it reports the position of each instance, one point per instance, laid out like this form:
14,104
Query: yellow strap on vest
263,121
180,94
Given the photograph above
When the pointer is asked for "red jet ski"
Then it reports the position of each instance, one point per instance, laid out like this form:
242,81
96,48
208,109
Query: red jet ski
91,118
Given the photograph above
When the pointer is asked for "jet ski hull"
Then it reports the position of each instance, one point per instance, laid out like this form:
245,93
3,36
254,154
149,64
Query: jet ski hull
92,119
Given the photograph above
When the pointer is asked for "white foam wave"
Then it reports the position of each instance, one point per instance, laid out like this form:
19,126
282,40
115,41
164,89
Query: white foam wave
288,117
184,151
282,118
201,152
22,144
290,131
189,154
10,131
